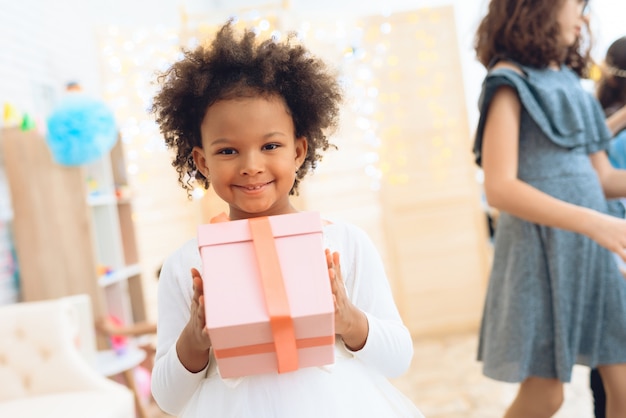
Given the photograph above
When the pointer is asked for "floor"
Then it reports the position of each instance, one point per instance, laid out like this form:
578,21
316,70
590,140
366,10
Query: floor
445,382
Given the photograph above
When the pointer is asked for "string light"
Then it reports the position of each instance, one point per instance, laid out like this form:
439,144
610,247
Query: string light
366,60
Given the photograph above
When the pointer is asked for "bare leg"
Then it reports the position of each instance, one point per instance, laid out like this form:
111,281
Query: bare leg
536,398
614,379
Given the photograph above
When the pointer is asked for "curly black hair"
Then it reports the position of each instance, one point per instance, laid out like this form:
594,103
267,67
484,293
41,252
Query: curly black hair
526,31
232,67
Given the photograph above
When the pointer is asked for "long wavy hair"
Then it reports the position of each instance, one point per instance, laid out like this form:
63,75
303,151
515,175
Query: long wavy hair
527,32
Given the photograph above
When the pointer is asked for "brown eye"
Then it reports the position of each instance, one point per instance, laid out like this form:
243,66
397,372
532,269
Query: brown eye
270,147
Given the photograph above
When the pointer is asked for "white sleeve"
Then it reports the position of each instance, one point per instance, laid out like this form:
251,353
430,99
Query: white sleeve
389,346
172,384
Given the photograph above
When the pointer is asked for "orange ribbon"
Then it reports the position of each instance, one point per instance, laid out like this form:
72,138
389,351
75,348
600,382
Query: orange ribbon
275,294
222,217
248,350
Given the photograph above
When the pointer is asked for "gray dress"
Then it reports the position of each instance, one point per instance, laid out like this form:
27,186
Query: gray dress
555,298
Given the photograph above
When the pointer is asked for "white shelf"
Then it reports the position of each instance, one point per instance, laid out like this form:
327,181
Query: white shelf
119,275
101,199
110,363
107,199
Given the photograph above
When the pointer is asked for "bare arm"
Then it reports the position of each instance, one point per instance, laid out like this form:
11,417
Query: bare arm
107,327
503,189
613,180
507,193
617,121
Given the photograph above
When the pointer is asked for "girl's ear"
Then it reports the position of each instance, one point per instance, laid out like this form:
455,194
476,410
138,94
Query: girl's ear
199,159
302,146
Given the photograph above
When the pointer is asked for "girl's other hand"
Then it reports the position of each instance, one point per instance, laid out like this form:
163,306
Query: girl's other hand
350,322
197,320
610,232
194,343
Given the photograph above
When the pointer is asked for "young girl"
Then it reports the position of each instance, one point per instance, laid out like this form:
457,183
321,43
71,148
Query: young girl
611,92
556,297
249,118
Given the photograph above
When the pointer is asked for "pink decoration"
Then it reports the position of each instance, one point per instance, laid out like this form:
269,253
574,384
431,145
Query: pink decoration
142,381
118,342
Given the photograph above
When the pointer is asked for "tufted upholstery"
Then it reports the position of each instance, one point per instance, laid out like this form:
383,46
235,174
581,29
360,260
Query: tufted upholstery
42,371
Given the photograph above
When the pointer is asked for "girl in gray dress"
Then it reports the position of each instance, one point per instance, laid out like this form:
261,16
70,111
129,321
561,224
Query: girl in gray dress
556,297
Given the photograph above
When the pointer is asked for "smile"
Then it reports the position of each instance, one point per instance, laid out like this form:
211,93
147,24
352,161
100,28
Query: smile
254,187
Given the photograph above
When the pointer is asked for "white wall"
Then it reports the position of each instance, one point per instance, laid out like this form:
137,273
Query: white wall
605,25
50,42
44,44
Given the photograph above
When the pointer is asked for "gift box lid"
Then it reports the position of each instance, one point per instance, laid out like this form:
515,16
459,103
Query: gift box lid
239,231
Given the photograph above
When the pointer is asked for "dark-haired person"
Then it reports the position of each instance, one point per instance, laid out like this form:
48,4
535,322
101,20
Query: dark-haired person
611,92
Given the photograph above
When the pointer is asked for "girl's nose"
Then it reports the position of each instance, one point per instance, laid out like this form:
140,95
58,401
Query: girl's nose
252,164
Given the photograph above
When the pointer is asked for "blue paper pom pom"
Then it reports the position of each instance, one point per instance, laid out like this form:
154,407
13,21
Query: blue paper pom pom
80,130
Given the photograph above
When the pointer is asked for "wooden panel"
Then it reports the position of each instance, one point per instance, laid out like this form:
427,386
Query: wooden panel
52,225
135,290
127,229
433,221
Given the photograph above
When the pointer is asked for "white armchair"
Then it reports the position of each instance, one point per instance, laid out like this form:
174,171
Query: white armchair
43,372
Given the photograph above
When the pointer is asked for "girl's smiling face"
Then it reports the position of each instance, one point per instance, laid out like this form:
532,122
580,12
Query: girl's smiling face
250,154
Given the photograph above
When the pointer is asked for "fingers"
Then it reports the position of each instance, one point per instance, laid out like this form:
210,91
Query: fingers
197,284
196,277
198,289
332,259
334,268
201,309
332,274
336,281
336,262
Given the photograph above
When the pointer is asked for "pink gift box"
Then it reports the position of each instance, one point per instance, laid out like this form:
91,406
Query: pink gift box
269,306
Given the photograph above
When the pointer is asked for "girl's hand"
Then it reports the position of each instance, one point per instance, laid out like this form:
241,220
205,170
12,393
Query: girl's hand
610,232
350,322
194,343
107,327
197,321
